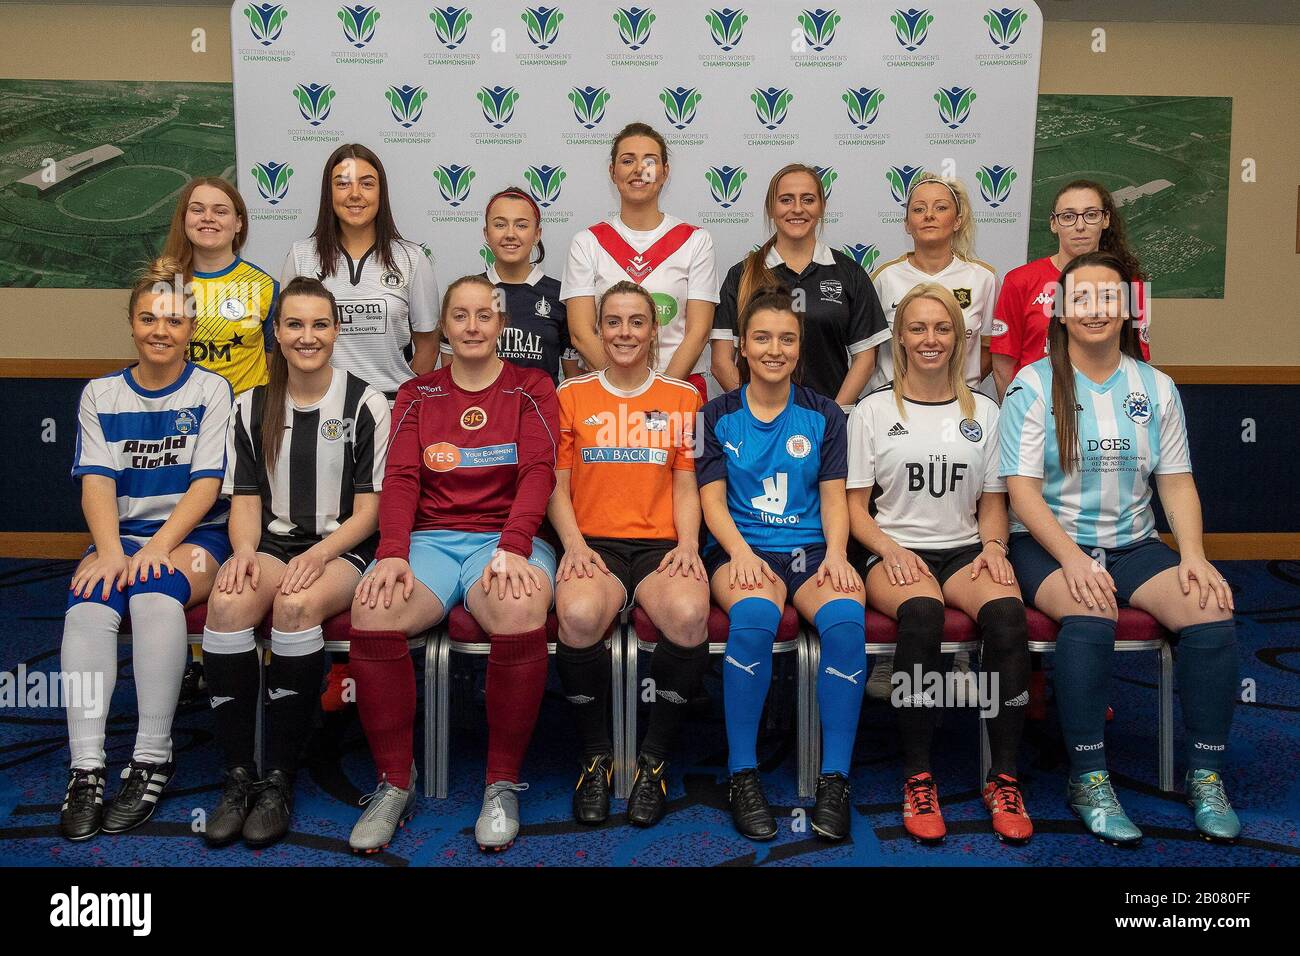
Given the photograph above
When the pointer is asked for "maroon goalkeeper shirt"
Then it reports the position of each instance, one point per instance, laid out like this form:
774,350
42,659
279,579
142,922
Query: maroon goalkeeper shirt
470,461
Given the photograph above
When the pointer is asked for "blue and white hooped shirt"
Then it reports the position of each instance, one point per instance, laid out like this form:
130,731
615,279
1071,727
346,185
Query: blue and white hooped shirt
154,443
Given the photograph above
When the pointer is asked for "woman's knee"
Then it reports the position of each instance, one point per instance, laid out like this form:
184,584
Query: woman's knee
296,611
583,619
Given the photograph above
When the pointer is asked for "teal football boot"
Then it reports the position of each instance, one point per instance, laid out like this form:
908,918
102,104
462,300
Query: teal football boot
1092,799
1215,818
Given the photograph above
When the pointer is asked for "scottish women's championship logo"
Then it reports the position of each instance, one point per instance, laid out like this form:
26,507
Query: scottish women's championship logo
453,182
451,24
265,21
498,104
679,105
726,26
407,103
819,27
725,183
314,101
544,183
272,181
954,105
358,24
634,26
900,181
543,25
863,105
1004,26
911,27
995,183
589,104
771,106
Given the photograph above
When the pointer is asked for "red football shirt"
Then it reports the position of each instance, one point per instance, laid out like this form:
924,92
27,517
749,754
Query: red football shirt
470,461
1024,309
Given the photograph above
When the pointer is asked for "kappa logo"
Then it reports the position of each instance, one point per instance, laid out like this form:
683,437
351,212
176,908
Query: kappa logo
863,105
954,105
726,26
680,105
897,431
725,183
453,182
1004,26
358,24
971,429
272,181
407,104
498,104
589,104
451,25
1043,298
771,105
543,25
265,21
995,183
634,26
819,27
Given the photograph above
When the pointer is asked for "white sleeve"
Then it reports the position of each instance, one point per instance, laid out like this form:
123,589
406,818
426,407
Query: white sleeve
986,314
423,303
702,283
1022,429
580,271
209,459
290,269
862,455
1174,456
92,455
992,480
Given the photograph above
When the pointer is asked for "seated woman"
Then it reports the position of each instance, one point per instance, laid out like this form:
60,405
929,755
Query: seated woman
306,461
627,511
939,537
151,452
471,466
771,473
1083,432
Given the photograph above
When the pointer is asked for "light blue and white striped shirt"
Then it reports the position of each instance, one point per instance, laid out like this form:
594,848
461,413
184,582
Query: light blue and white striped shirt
1131,426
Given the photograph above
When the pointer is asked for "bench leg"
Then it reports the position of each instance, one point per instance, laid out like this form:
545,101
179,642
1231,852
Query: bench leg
1166,734
809,749
430,716
618,707
442,713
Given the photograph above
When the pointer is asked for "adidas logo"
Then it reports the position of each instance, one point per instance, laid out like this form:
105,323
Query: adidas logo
897,431
1018,701
593,420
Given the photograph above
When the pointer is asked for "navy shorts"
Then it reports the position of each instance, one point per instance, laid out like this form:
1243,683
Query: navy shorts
943,563
1130,567
792,568
285,548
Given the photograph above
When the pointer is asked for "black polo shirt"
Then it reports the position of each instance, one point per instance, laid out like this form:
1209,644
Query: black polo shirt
842,313
537,335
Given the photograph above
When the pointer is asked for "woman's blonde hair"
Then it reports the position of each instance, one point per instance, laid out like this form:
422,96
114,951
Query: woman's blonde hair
963,241
956,358
162,276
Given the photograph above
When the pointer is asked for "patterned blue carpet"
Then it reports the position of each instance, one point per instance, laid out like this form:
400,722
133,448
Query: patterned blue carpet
1262,780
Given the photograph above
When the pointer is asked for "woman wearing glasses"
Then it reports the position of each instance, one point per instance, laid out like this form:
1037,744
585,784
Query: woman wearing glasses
1084,219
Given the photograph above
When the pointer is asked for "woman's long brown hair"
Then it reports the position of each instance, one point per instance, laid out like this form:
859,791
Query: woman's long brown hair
178,246
1065,407
1113,238
328,244
756,274
277,388
769,299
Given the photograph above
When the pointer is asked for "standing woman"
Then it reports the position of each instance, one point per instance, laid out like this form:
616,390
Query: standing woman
671,259
1083,433
151,454
939,537
537,335
233,299
471,466
842,318
384,284
629,520
1084,219
306,460
942,228
771,475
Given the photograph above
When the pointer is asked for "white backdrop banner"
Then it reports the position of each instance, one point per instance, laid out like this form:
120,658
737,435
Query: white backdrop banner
460,101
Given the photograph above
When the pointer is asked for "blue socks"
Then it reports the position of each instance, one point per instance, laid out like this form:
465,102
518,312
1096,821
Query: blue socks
746,674
1084,648
841,680
1207,670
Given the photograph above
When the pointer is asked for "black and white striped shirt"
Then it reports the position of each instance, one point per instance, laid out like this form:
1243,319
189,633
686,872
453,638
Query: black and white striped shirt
331,451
